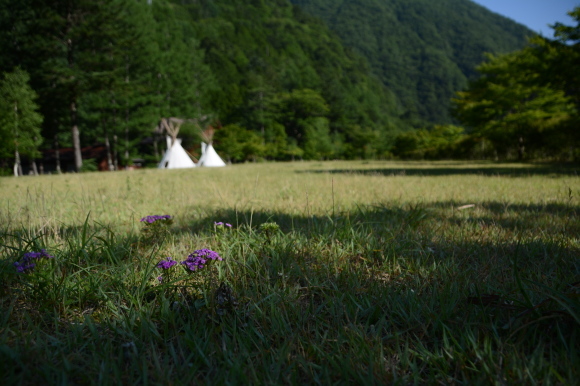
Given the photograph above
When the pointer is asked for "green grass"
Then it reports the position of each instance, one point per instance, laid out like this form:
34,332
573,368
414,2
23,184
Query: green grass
376,273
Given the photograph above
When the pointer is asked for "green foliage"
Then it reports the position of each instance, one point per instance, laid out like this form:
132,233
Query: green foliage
89,165
362,143
271,69
20,120
421,50
526,101
303,115
107,71
237,144
440,142
568,34
562,58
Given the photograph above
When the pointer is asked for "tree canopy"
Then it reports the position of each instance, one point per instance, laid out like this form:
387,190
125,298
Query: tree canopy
528,100
274,80
421,50
19,118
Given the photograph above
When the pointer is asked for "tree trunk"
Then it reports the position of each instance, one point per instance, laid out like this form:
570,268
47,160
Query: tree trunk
115,141
73,92
110,165
127,136
57,155
126,115
262,116
76,138
33,162
521,149
33,167
115,156
17,165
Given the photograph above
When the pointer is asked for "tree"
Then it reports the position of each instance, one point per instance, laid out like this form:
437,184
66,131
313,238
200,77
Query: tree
295,110
75,48
19,118
564,60
566,33
511,105
125,102
238,144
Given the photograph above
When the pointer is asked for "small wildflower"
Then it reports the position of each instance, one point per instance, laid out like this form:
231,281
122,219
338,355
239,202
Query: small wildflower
193,263
199,258
26,264
153,218
23,267
221,224
167,263
160,278
208,253
46,255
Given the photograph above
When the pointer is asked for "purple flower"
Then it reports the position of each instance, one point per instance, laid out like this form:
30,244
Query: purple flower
44,254
160,278
153,218
26,264
193,263
207,253
167,263
199,258
220,224
31,255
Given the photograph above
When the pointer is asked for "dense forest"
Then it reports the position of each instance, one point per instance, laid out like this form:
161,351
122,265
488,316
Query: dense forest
421,50
273,80
522,105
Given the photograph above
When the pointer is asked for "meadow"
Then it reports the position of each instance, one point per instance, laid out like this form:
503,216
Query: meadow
332,273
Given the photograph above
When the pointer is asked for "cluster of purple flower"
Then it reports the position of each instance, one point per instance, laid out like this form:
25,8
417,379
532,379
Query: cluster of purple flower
26,264
221,224
195,261
167,263
152,219
199,258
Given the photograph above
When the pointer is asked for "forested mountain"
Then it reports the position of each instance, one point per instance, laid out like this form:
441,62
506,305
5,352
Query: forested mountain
273,79
282,72
421,50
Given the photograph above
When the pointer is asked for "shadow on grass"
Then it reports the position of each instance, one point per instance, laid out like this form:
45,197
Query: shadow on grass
333,298
551,217
426,276
433,170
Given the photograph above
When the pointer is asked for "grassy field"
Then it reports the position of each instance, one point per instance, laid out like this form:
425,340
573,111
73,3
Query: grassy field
332,272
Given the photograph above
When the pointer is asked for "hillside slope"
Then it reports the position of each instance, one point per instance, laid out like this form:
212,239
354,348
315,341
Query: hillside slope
422,50
272,60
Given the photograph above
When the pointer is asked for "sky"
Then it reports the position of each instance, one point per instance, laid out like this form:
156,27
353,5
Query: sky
535,14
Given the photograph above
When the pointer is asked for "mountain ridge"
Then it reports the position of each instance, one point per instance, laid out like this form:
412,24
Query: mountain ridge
415,45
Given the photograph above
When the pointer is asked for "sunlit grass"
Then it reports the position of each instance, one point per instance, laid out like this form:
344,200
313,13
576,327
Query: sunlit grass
367,272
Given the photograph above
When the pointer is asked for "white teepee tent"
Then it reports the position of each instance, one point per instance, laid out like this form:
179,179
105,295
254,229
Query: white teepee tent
209,157
175,157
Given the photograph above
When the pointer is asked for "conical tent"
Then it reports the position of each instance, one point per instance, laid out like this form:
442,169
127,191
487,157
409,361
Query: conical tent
175,157
209,157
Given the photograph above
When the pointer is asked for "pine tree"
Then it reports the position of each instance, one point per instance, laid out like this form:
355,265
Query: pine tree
19,118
